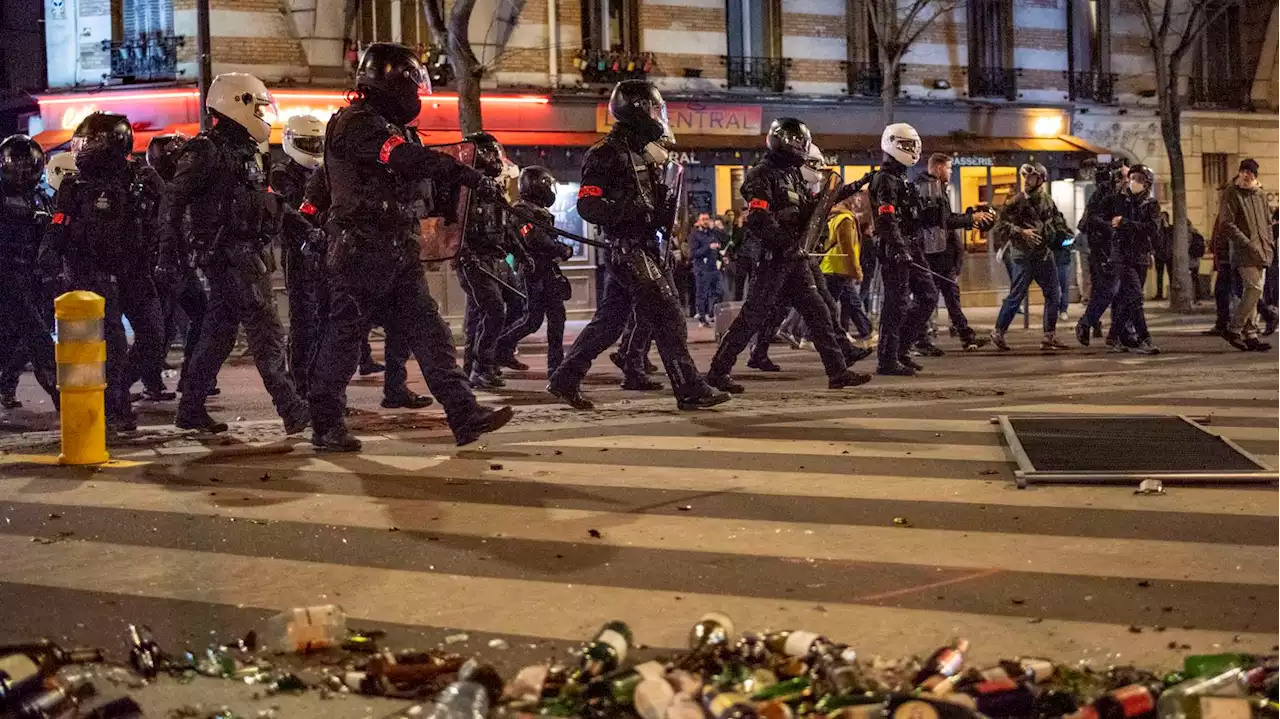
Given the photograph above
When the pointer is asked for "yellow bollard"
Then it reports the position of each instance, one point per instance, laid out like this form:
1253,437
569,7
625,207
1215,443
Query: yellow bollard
82,377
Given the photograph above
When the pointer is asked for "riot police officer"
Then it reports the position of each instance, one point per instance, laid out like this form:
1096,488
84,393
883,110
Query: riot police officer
1137,225
184,290
100,239
779,205
306,194
488,285
546,287
24,214
623,193
910,296
375,165
221,181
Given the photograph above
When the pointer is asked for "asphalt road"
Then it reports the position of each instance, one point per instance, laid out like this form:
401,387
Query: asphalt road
885,516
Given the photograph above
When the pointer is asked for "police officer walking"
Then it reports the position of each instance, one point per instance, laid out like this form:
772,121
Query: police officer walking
546,287
104,219
183,290
910,295
24,214
375,163
1137,224
220,179
623,193
779,205
483,278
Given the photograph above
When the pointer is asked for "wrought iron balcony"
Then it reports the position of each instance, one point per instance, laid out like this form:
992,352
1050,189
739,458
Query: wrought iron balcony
1094,86
865,78
1228,93
993,82
147,58
609,67
762,73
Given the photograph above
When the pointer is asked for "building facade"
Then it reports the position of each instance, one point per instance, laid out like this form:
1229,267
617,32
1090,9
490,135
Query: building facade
994,82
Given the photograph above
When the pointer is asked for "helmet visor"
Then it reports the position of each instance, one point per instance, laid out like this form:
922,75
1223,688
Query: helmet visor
415,73
658,113
264,107
310,144
908,145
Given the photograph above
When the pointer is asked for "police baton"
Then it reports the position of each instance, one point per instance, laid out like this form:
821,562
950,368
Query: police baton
499,280
919,266
537,222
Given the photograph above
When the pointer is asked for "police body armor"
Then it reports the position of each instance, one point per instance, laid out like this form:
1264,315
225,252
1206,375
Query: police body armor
108,234
22,221
543,251
910,209
793,206
486,232
646,177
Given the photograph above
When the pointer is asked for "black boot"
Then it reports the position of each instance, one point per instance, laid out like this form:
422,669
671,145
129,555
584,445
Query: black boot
706,400
571,396
650,367
848,378
198,419
725,383
895,370
1256,345
928,349
906,361
858,354
371,367
641,383
971,341
485,379
297,419
336,440
1082,334
513,363
764,365
483,421
406,400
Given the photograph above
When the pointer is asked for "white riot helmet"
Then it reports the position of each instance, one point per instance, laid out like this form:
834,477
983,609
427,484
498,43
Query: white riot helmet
814,164
244,100
60,167
901,142
304,141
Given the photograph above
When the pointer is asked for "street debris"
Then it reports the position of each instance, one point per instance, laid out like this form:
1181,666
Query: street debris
1150,486
723,674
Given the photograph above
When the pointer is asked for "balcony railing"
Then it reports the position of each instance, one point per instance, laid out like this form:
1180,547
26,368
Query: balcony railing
1219,93
149,58
993,82
1094,86
761,73
865,78
610,67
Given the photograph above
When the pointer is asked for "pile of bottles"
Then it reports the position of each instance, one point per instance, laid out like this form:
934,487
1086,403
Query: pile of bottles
723,674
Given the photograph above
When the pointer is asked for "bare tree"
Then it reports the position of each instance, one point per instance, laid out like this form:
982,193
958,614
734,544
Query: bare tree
897,25
1173,28
452,36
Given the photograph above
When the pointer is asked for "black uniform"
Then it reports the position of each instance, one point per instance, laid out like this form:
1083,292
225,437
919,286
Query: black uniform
1131,251
779,204
24,324
220,181
623,193
1104,278
103,222
487,281
546,287
374,168
910,295
944,248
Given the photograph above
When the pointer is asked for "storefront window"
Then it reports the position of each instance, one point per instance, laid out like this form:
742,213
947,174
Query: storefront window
565,210
853,173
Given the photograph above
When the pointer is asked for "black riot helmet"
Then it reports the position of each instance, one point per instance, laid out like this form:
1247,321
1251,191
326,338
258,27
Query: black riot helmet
391,77
21,163
489,153
1144,174
163,151
102,143
789,136
638,107
537,185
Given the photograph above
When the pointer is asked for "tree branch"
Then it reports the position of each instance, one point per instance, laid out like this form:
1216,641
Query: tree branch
434,10
1166,16
916,7
1192,32
943,9
1149,19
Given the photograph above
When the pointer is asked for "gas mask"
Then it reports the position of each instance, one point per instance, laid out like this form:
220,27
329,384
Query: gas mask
812,169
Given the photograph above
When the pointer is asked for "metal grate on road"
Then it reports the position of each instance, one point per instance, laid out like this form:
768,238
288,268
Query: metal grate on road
1124,450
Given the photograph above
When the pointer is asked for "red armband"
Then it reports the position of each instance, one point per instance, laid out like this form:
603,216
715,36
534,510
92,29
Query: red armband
58,218
384,155
307,208
524,231
590,191
886,210
758,204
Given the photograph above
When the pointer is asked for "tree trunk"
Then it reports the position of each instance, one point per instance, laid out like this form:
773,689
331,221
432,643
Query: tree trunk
350,9
888,89
466,67
1181,292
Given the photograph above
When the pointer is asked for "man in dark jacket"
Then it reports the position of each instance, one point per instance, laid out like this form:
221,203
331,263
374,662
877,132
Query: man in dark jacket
1096,225
1137,225
1244,222
704,246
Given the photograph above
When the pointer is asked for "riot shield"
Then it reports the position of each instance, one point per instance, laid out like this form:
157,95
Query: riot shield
445,223
815,230
673,178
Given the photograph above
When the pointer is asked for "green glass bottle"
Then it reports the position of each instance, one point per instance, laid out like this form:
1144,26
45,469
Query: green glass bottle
1202,665
605,653
789,690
